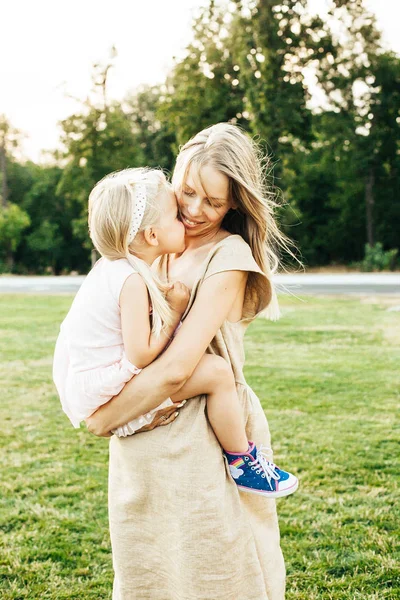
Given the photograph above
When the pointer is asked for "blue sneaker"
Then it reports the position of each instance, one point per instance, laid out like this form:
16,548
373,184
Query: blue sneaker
254,473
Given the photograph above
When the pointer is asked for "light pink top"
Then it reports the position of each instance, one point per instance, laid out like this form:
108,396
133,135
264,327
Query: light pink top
90,366
92,327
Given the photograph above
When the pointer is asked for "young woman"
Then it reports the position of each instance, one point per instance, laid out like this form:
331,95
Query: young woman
180,529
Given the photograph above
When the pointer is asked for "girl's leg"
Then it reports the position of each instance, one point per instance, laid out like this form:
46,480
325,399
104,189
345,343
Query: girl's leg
213,376
248,465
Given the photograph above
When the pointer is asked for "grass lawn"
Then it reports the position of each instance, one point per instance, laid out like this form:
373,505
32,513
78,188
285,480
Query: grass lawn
328,376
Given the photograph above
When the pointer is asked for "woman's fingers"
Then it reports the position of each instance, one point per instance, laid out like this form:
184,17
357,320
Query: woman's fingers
169,419
165,416
91,424
162,417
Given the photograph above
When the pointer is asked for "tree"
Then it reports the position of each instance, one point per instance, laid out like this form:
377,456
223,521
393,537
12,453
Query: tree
9,139
203,88
351,167
97,140
274,42
154,136
49,241
13,220
46,242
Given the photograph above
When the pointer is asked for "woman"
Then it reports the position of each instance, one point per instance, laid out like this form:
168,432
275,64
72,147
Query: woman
180,530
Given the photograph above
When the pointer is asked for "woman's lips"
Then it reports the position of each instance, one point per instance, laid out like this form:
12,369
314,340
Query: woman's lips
189,223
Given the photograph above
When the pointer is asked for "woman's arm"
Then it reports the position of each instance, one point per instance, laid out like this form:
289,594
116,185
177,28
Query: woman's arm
165,376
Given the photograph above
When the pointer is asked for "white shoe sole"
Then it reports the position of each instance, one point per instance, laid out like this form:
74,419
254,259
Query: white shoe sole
278,494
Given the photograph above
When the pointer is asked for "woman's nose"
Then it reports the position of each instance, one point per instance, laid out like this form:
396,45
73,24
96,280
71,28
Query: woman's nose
194,207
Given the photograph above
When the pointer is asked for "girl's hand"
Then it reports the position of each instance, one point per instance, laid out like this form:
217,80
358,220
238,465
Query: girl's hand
178,297
165,416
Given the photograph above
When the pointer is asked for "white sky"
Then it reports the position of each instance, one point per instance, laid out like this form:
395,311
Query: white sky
47,50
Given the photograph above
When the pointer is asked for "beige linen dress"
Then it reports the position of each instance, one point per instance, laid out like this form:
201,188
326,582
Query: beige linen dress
180,529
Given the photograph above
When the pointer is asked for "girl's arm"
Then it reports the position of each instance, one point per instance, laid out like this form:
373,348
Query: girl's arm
165,376
141,345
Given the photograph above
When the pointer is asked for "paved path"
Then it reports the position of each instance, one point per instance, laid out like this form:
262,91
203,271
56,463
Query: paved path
314,283
346,283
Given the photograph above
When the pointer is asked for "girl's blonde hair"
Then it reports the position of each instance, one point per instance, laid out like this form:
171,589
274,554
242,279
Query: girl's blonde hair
112,204
231,151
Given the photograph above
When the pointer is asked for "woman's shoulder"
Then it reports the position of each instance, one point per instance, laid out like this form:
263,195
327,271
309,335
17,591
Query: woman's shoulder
233,251
233,241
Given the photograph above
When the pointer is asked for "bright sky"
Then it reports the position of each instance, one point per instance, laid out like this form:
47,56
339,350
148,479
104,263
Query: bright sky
48,49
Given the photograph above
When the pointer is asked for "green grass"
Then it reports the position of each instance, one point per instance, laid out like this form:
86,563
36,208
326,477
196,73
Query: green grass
328,377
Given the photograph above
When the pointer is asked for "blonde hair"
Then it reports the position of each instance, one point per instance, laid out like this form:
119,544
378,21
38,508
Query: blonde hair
112,204
231,151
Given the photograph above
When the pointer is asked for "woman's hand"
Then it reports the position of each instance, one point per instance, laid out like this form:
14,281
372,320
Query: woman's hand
165,416
93,426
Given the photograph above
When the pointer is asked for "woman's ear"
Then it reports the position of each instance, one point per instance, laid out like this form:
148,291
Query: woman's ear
150,235
234,205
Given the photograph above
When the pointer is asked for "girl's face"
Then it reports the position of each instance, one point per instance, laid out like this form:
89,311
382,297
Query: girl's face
204,200
170,229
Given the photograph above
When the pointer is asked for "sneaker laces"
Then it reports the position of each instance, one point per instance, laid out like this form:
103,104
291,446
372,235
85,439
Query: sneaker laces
266,465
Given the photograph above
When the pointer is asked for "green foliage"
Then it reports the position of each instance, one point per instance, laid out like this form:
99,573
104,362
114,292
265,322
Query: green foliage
20,179
52,218
154,134
377,259
97,141
268,40
13,222
203,87
46,242
355,147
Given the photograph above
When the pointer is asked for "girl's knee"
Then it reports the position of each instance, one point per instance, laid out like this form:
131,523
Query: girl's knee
219,370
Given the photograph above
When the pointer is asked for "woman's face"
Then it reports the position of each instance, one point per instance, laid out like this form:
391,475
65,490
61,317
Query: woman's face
204,200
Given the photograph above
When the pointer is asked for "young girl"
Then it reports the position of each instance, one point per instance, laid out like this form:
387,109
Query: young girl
122,318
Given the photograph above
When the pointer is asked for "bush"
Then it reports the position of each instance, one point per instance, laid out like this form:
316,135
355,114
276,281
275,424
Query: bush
378,259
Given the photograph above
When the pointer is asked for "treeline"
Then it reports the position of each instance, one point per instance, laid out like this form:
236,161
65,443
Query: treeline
322,97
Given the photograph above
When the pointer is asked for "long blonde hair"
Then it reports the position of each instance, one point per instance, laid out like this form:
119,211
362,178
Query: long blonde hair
112,204
231,151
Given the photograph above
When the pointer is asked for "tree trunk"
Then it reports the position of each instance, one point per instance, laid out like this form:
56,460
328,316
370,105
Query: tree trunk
3,168
10,259
369,205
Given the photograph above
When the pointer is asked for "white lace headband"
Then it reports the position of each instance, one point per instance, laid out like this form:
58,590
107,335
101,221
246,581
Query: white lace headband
138,212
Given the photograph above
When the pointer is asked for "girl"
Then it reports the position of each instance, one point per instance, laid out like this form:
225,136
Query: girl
108,335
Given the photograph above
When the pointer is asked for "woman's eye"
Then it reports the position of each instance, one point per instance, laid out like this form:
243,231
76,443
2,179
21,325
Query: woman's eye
188,193
213,204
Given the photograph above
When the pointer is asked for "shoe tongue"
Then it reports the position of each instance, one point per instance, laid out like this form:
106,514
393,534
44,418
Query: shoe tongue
252,450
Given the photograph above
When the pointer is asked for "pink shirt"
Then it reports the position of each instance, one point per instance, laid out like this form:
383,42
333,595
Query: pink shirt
90,366
92,328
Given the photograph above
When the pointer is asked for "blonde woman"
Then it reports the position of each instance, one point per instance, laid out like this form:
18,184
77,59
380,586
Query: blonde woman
180,529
